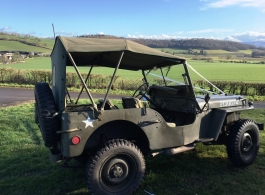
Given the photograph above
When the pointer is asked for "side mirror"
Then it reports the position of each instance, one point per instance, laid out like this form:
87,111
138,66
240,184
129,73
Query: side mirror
207,98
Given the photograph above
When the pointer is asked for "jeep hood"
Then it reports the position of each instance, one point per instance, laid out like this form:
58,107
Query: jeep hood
106,52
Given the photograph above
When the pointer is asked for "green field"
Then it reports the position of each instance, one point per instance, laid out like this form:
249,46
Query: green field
25,168
49,42
213,71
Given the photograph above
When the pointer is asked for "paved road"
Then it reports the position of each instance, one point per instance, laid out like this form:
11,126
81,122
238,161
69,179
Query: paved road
13,96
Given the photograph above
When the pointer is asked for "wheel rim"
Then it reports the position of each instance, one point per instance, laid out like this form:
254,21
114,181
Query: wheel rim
118,172
247,143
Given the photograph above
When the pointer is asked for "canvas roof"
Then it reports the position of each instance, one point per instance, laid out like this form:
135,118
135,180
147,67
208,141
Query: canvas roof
106,52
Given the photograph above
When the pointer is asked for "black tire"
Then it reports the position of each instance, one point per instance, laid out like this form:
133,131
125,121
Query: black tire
36,112
44,110
118,169
243,143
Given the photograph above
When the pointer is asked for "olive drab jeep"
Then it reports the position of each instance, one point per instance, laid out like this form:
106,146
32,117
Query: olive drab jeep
166,114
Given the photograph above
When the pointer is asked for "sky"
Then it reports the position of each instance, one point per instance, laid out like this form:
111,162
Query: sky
158,19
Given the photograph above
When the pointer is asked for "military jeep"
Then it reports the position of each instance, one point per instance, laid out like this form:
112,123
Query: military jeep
166,114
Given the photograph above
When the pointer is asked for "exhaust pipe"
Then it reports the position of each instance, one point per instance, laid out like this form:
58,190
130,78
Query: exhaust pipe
156,153
172,151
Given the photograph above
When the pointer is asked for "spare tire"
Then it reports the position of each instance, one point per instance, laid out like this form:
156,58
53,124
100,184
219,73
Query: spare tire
45,114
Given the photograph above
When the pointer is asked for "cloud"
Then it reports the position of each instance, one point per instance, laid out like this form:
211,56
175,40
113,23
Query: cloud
249,36
181,34
100,33
231,38
6,28
162,36
216,31
227,3
66,33
245,37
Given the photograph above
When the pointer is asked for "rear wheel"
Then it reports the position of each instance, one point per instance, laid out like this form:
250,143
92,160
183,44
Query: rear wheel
243,144
118,168
45,109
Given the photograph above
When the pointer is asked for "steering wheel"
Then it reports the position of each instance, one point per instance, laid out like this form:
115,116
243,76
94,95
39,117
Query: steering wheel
141,93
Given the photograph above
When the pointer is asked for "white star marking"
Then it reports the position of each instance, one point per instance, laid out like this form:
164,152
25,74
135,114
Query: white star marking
89,122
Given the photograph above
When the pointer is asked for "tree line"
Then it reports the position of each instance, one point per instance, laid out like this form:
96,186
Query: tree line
196,43
258,54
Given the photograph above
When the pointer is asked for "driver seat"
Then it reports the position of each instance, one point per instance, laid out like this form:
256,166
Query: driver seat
131,102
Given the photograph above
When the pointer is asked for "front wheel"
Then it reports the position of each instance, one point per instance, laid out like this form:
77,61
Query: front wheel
117,168
243,144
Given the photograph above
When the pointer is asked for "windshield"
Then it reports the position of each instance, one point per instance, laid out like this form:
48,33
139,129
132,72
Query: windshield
167,76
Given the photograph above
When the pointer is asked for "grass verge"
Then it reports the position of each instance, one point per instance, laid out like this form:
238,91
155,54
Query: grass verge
25,167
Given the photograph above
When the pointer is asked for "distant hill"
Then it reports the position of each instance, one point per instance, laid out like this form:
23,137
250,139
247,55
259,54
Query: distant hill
17,42
260,44
250,37
207,44
27,43
198,43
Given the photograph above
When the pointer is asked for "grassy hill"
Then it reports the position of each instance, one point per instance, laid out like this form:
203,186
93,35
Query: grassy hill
16,42
18,46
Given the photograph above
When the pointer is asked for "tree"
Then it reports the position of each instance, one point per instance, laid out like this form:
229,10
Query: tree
16,57
228,57
38,41
31,54
4,59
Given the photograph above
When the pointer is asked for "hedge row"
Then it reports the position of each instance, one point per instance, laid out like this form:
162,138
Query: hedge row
233,87
95,81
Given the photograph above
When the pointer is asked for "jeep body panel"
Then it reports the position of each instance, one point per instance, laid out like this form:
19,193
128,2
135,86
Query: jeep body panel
160,135
176,117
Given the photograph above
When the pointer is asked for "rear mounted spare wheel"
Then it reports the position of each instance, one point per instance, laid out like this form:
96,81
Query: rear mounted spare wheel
45,114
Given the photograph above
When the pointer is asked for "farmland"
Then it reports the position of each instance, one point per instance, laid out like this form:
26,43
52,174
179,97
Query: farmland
17,46
23,47
214,71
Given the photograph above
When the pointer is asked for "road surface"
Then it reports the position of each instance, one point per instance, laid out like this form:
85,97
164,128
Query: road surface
12,96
